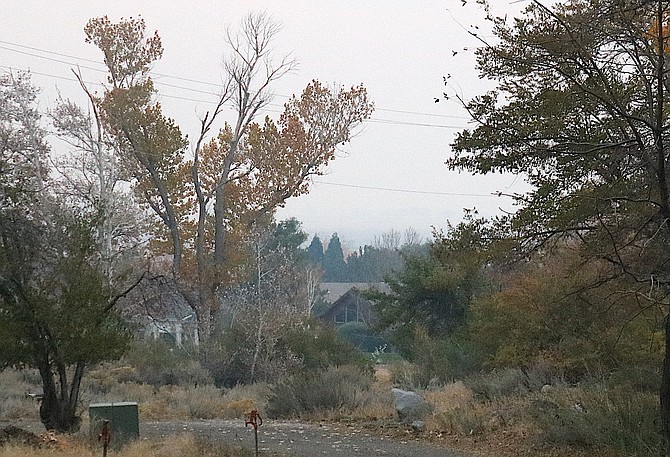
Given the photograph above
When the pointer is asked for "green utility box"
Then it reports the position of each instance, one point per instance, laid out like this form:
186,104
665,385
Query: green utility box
124,422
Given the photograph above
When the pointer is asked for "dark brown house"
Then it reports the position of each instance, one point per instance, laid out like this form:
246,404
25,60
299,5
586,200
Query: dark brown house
351,306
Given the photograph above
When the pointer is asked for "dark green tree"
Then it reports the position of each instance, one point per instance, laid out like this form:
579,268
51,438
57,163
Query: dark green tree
582,110
334,265
432,293
56,308
373,264
315,251
56,298
289,234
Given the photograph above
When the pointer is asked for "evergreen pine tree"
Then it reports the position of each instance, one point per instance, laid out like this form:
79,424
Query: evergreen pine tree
335,268
315,251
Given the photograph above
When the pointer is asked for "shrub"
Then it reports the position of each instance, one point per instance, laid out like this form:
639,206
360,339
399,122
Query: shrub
409,376
435,362
499,384
596,417
334,388
455,411
637,379
361,336
304,346
318,346
464,420
159,364
511,381
229,356
449,397
442,360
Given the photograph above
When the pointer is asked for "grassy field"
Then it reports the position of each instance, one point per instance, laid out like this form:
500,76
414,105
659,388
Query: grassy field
503,414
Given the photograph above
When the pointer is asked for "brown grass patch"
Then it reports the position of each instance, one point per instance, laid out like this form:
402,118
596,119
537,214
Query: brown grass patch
449,397
382,374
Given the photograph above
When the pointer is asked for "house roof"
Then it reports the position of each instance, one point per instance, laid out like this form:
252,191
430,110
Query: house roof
335,290
351,297
156,300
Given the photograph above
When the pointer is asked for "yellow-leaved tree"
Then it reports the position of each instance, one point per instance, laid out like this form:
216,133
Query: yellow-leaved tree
207,200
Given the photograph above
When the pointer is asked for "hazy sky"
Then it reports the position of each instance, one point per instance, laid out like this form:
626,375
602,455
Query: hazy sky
391,176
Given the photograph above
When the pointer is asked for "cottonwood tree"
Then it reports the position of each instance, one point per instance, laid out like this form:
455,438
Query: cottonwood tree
89,176
56,301
240,175
150,144
581,109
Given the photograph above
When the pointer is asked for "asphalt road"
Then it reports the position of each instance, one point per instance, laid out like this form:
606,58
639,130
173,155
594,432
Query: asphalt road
300,439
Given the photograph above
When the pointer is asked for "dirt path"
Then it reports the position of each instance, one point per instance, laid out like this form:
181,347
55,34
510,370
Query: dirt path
299,439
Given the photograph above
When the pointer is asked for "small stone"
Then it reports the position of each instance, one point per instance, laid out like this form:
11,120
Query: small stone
418,426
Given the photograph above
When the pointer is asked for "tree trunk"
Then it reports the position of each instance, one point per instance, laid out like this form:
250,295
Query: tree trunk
58,409
220,200
204,318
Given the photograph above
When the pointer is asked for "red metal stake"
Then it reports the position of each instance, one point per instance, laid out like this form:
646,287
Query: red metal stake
255,420
105,437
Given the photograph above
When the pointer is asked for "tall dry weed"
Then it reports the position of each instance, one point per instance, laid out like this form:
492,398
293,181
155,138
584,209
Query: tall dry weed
15,403
456,411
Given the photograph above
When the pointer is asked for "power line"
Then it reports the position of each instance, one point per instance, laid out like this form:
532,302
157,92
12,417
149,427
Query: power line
416,124
48,75
213,102
104,70
422,114
99,70
354,186
46,51
412,191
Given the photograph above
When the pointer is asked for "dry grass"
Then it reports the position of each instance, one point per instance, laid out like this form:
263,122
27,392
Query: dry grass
177,446
14,403
190,402
562,421
24,451
155,403
451,396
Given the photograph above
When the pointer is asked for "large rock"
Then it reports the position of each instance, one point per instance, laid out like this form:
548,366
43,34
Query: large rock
409,405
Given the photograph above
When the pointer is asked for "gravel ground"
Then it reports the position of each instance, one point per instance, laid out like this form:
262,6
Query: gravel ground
299,439
294,439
